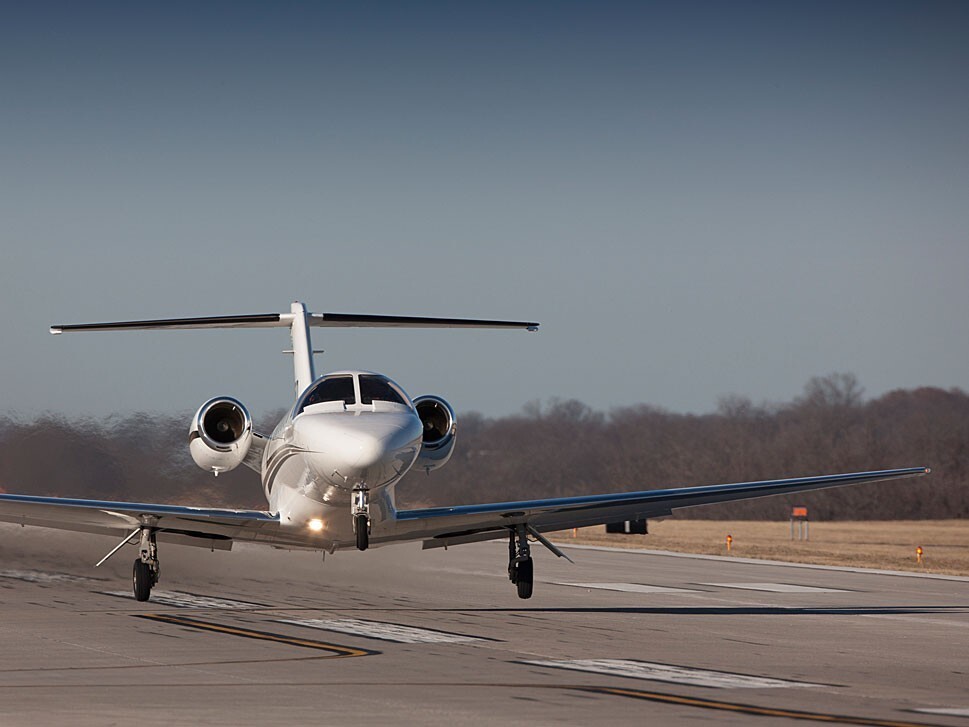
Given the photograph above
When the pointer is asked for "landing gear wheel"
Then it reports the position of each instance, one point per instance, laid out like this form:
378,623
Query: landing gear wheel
520,561
142,579
523,580
360,511
361,524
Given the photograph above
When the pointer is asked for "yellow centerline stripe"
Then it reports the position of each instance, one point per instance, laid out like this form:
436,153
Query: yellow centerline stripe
747,708
339,651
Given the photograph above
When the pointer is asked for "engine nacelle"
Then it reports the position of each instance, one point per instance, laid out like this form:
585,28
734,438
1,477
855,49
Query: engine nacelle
440,426
220,435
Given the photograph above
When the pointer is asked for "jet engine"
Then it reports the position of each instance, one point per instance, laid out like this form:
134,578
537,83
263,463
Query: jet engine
440,424
220,435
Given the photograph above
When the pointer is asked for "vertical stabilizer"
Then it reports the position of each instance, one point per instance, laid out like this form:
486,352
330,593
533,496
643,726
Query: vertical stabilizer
302,348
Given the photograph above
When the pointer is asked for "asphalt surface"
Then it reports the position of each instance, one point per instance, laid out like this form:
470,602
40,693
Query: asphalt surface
400,636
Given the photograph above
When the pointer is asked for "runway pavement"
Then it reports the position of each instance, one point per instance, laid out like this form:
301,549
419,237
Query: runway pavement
400,636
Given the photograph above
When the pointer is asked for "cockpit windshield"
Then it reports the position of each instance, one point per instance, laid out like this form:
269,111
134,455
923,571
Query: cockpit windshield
337,393
331,388
379,388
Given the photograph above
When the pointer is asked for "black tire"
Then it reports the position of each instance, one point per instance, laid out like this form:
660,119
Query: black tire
524,580
141,580
363,532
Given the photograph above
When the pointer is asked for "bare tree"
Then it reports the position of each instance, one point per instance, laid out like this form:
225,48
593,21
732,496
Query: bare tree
563,447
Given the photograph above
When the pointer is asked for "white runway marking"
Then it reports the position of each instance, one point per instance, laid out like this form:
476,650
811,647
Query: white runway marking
191,600
923,620
36,576
948,711
758,561
673,674
383,631
628,587
776,587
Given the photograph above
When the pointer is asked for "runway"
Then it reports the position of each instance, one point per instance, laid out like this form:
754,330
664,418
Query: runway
397,635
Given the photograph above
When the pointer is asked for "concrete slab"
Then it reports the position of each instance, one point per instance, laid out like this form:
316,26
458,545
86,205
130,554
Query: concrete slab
881,646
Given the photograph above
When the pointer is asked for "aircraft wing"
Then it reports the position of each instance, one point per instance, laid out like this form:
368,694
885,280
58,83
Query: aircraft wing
206,527
441,526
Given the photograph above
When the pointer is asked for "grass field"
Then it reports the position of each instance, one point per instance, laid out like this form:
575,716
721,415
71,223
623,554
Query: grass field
889,545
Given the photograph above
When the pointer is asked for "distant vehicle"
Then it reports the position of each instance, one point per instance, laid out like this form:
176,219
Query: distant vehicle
330,468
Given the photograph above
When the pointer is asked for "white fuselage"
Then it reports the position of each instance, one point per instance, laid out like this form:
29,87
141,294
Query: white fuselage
322,450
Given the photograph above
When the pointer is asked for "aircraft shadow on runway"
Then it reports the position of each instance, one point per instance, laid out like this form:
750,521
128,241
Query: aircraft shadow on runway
732,611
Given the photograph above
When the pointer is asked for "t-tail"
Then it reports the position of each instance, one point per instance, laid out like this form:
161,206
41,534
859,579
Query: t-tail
299,321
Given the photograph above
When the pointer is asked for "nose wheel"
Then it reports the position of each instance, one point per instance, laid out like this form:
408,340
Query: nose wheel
360,511
361,527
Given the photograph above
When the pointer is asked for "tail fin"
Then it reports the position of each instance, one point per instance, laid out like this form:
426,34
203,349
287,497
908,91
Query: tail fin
299,321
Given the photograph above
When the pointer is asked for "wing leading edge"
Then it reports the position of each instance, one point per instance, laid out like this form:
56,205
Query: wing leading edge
466,523
208,527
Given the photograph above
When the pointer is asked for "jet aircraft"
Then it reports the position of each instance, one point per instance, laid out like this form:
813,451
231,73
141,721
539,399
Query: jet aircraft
330,468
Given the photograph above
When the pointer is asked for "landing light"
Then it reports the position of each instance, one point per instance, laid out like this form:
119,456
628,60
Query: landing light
316,525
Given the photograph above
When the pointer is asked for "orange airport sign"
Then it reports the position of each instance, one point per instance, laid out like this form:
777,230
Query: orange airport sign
799,512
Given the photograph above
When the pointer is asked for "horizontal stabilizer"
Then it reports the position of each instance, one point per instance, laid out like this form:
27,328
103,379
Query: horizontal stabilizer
285,320
260,320
353,320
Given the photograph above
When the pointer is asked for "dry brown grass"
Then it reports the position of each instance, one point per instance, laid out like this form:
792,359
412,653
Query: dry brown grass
888,545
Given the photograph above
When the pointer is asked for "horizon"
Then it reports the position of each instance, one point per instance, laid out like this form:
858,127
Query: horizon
725,405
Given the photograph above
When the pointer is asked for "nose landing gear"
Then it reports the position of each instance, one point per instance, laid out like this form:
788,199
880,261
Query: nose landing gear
360,511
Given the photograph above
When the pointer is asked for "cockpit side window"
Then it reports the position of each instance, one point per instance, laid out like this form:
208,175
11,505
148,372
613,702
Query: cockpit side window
331,388
378,388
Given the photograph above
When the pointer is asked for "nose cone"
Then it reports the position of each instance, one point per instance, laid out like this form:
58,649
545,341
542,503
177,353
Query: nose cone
346,449
369,449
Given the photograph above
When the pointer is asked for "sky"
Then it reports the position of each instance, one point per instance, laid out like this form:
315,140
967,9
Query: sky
694,199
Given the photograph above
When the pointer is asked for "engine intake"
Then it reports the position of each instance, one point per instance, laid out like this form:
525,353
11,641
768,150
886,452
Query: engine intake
220,435
440,427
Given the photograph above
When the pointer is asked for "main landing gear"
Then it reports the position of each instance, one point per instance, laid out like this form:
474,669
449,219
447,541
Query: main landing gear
360,511
520,569
146,570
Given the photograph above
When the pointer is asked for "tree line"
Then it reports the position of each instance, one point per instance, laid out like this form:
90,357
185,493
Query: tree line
562,448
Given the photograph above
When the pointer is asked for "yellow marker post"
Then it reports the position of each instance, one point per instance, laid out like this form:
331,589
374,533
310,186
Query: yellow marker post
918,555
729,542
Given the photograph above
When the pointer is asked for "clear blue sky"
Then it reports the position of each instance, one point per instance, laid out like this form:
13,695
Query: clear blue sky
693,198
